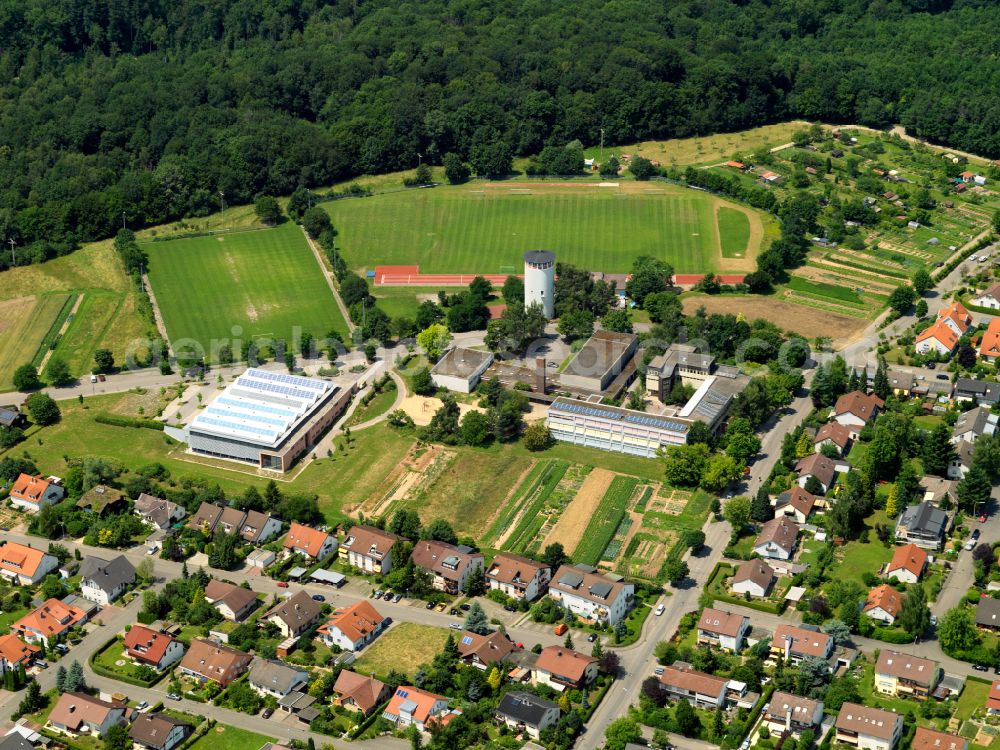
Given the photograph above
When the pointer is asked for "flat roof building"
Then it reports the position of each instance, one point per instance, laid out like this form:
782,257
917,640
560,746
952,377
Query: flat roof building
612,428
605,357
264,418
460,369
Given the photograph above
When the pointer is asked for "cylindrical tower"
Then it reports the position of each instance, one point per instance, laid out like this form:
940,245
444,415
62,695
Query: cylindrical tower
540,280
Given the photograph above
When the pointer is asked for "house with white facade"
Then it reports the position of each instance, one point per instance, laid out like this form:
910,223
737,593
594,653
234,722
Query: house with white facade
591,595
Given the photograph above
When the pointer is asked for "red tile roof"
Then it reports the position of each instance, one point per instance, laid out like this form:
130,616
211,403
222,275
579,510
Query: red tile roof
564,662
835,432
50,619
724,623
20,558
27,487
146,644
356,621
305,537
990,345
859,404
908,557
886,597
13,650
931,739
940,333
993,699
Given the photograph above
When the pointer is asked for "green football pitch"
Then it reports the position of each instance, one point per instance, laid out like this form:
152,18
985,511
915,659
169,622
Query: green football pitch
486,229
264,283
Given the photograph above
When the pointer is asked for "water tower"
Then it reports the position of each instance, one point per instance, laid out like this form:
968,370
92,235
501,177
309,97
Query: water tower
540,280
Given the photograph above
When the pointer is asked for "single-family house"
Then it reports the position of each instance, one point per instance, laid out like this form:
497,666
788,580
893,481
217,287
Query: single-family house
411,705
368,549
868,728
905,676
961,460
935,489
527,713
560,668
834,434
795,504
923,524
152,648
102,501
989,298
32,493
699,689
518,577
12,417
313,543
985,392
856,409
295,615
753,577
989,345
973,424
787,712
956,317
233,602
207,660
822,468
103,581
593,596
79,713
159,513
926,738
14,653
353,627
993,699
206,518
449,564
359,693
275,678
25,565
778,538
726,630
484,651
158,731
230,520
883,603
988,613
908,564
51,620
796,642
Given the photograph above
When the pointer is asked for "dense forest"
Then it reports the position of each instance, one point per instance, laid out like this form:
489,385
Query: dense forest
144,110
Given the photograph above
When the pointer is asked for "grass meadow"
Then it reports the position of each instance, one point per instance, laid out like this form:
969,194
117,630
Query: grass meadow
265,282
480,228
734,232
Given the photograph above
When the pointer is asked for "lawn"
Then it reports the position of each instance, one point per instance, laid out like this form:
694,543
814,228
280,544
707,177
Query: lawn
401,301
855,559
973,697
87,330
225,737
379,405
265,283
820,289
734,232
483,228
404,648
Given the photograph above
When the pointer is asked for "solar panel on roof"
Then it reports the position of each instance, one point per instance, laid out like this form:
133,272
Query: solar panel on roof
253,417
466,640
235,426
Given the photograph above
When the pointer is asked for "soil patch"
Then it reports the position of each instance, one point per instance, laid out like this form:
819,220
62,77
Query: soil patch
802,320
573,522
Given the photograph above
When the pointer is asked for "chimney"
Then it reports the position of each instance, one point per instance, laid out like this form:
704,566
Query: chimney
540,375
788,646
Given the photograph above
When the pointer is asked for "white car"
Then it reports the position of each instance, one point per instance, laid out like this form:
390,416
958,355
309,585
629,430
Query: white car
659,610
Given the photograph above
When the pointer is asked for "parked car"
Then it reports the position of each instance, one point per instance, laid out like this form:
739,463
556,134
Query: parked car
62,648
93,378
173,697
592,637
430,605
453,612
319,598
455,626
442,607
267,712
101,378
41,664
388,596
561,628
142,705
464,607
509,608
980,668
982,518
930,366
660,610
282,584
658,671
397,598
378,594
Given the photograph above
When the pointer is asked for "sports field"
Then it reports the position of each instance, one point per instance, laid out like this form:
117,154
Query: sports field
263,283
734,232
486,228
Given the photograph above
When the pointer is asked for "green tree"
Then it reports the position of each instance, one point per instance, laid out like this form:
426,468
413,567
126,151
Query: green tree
576,324
649,276
316,222
117,738
914,615
104,360
57,372
75,681
737,512
476,620
957,631
618,319
26,378
620,733
475,429
683,465
686,720
537,436
760,508
455,170
43,409
974,490
676,571
421,382
902,298
922,282
267,209
938,450
434,340
719,471
642,168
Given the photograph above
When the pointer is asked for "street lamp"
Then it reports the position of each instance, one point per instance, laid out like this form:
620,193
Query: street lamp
13,258
222,197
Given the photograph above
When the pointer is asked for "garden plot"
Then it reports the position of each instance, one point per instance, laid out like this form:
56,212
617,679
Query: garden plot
419,466
539,516
568,529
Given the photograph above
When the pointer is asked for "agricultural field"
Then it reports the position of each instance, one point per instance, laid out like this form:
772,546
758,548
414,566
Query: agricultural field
486,227
30,323
872,185
263,283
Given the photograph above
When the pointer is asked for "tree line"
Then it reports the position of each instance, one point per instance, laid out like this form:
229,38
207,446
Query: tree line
140,113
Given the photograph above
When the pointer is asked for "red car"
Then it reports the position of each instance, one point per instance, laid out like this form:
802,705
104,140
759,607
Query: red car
982,518
282,584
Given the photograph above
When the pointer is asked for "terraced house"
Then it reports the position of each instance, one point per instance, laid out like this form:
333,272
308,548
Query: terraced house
787,712
450,565
697,688
868,728
518,577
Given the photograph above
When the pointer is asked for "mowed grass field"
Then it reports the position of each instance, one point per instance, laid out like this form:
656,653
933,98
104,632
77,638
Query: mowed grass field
734,232
486,228
263,283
